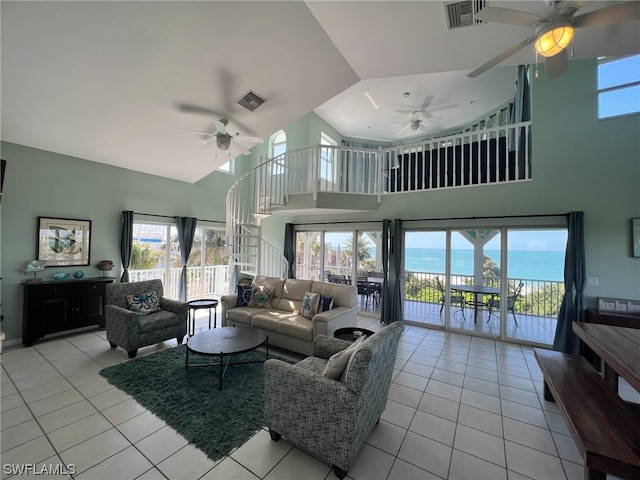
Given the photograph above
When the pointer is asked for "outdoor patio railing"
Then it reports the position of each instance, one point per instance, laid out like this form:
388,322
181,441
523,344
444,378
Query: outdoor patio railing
541,298
202,282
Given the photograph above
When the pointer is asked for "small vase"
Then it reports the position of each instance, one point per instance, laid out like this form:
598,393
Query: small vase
78,275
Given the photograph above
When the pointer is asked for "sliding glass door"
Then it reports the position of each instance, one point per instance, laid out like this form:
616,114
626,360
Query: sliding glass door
424,264
501,282
536,283
476,277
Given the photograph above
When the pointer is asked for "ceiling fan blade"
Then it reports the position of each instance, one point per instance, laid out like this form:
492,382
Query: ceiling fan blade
427,101
556,65
503,56
196,131
226,89
619,13
403,128
506,15
444,107
238,146
249,138
183,107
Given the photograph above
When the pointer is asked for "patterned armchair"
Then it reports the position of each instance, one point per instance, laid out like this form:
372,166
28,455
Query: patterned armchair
331,418
130,330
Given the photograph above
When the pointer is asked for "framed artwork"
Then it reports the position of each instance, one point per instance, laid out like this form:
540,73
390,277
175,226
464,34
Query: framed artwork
63,241
635,237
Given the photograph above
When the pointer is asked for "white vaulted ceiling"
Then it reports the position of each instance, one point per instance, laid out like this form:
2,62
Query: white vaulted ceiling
105,81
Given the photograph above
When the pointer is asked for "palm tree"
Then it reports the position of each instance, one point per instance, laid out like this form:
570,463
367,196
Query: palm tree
363,247
144,257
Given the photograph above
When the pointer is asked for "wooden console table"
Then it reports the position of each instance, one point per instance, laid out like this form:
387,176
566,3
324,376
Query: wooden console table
57,306
618,348
613,318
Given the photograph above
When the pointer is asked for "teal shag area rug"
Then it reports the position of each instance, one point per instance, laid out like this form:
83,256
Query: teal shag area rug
215,421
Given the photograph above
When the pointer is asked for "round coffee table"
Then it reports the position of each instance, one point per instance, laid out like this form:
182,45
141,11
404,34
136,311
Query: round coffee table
197,305
226,342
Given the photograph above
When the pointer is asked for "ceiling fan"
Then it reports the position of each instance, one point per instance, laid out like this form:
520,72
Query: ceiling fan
554,32
416,124
422,115
223,139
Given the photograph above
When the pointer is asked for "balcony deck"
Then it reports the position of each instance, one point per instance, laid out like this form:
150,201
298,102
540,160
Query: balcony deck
531,329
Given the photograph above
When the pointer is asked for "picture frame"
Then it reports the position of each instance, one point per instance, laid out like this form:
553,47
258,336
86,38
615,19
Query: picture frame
63,241
635,237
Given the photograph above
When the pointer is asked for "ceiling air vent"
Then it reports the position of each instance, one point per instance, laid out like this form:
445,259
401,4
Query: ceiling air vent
251,100
463,14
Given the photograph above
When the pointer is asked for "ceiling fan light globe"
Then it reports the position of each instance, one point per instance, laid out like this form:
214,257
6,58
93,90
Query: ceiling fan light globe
555,39
223,142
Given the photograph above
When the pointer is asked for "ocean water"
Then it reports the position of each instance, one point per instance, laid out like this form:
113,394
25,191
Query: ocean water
530,264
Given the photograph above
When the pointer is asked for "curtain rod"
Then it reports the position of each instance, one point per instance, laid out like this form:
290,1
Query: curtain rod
490,217
169,216
340,222
437,219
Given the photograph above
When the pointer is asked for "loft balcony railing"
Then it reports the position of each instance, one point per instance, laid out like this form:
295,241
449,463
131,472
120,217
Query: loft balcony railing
494,155
489,156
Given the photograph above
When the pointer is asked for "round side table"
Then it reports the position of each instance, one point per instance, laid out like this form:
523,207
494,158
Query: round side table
351,333
199,305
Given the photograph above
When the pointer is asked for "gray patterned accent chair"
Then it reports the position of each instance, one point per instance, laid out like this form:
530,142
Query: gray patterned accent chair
131,331
331,418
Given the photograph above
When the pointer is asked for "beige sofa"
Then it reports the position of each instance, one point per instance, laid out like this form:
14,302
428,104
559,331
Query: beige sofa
284,324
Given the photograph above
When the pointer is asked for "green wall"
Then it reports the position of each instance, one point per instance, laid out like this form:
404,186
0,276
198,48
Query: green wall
40,183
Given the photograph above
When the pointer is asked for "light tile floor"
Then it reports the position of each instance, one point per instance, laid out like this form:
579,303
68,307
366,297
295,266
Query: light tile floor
459,407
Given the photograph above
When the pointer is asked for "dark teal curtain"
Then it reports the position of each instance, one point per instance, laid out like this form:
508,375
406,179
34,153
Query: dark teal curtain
290,249
186,227
521,112
571,309
385,314
126,243
396,260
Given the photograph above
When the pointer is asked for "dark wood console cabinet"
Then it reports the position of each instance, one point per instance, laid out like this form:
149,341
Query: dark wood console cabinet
57,306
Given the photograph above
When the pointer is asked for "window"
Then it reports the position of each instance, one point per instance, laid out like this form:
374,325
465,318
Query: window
618,86
326,157
156,254
278,148
226,168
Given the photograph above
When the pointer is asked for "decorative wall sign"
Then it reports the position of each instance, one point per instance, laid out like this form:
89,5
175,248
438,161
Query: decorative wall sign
63,241
619,305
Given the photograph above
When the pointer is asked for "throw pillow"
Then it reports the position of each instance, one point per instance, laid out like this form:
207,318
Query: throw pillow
338,361
244,295
260,297
325,303
143,303
309,305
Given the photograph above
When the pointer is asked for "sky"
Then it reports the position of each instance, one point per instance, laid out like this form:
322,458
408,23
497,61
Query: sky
549,240
528,240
